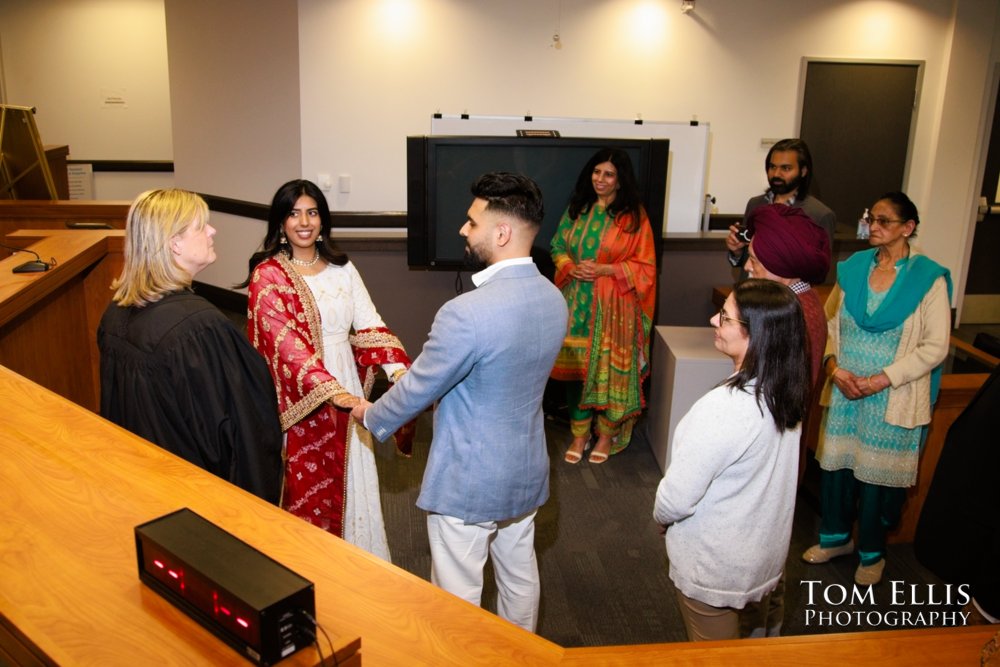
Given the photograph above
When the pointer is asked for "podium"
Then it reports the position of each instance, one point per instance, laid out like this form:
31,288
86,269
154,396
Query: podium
48,320
687,366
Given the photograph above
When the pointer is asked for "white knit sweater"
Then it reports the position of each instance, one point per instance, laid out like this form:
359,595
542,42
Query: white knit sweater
728,498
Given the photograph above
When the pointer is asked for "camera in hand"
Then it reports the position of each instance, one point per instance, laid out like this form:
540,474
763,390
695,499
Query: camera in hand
744,234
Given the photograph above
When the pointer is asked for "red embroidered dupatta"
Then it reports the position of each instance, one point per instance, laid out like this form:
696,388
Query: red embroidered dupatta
284,326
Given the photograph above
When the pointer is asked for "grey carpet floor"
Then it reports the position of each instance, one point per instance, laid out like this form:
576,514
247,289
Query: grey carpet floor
603,564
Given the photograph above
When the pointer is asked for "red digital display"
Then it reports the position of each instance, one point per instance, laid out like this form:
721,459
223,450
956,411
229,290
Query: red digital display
227,611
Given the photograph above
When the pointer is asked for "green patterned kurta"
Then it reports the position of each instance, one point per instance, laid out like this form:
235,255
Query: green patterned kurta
583,242
857,435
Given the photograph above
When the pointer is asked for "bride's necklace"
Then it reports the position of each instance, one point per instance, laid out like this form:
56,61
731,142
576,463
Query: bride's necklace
302,262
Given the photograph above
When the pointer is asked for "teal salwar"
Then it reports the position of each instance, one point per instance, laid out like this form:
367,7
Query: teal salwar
844,499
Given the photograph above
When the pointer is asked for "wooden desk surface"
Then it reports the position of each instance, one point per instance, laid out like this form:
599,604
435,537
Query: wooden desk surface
72,488
72,250
932,647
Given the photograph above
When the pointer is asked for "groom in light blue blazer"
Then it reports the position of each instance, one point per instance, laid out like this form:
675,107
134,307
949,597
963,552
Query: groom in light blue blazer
487,360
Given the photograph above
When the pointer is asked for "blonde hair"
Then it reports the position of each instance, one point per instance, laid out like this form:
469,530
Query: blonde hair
150,272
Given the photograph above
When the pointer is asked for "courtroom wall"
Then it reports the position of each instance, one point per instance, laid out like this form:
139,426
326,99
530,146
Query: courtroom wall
234,90
364,74
95,71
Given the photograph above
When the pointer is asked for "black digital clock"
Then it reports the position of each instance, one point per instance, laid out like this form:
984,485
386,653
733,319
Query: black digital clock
250,601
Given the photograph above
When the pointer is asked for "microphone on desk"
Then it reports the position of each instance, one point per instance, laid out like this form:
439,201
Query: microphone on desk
33,266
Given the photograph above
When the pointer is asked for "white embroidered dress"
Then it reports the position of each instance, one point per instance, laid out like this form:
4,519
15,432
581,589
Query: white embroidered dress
344,304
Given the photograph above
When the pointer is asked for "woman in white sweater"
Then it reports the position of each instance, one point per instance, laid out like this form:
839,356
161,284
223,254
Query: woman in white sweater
728,496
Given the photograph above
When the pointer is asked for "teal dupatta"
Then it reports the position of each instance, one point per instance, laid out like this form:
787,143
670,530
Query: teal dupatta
914,277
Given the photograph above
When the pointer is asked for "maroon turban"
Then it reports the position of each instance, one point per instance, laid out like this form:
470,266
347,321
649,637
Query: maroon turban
789,244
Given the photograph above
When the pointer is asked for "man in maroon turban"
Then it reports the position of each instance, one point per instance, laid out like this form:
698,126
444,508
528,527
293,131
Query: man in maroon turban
786,246
789,248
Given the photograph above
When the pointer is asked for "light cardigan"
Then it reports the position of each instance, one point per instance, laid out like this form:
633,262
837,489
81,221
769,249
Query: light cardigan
922,347
728,497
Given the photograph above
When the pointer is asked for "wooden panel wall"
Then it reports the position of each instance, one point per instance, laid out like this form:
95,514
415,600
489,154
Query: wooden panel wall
30,214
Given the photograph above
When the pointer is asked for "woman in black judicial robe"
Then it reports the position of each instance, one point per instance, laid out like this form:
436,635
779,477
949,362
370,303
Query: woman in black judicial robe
174,369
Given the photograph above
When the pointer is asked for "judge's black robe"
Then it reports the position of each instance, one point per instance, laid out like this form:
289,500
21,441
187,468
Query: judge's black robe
178,373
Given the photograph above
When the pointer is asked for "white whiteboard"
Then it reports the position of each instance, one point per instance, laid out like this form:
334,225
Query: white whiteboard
685,200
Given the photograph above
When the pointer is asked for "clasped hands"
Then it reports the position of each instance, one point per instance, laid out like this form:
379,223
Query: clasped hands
358,411
854,386
588,270
357,405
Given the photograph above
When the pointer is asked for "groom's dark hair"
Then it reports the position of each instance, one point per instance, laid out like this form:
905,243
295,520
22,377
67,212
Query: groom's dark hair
514,194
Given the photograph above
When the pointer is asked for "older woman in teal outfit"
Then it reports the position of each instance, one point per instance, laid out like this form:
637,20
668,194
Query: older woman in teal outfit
888,334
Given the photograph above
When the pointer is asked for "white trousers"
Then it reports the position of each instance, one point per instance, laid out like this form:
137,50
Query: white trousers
458,554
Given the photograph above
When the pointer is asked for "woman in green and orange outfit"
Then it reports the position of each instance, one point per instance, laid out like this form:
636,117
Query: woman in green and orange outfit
606,268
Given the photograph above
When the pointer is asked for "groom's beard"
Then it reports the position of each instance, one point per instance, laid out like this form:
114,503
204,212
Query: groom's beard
474,259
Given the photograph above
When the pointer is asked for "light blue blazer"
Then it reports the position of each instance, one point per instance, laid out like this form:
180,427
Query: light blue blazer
487,359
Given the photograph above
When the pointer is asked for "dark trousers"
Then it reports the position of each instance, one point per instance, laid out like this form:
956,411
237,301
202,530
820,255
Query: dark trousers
843,499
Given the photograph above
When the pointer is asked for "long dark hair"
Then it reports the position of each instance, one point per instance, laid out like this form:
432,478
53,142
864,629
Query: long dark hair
776,352
281,206
627,199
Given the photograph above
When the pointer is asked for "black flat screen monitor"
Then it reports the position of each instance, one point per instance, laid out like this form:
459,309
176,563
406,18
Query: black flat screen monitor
440,171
